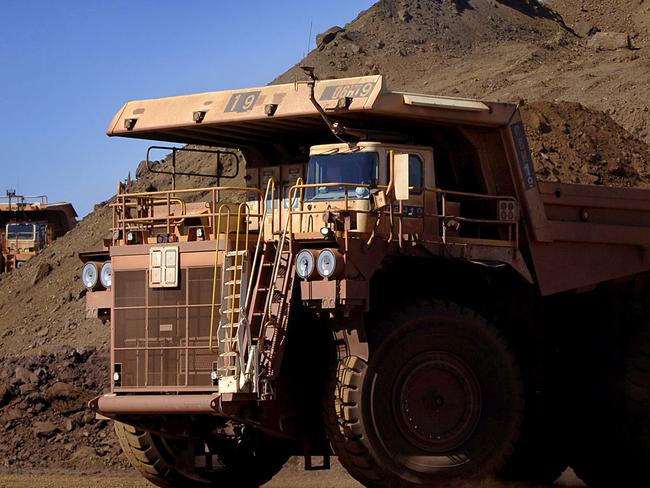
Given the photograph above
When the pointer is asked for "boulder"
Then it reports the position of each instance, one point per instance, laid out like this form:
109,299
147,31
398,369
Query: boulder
45,429
27,388
42,270
6,394
328,36
584,29
68,425
24,375
61,390
609,41
404,15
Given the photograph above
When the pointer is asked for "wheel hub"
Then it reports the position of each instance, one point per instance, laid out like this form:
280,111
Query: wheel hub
436,402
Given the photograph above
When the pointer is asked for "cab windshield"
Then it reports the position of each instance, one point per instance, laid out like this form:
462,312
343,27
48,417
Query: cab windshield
20,231
353,168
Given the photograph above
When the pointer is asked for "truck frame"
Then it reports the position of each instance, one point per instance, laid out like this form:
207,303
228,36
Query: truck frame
391,285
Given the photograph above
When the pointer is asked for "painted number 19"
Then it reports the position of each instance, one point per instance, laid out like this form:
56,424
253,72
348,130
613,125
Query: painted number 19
242,102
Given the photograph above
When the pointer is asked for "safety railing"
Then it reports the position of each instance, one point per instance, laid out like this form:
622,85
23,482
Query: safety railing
444,211
511,225
167,211
21,200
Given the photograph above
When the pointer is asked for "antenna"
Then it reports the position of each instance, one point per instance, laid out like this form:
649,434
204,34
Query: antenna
337,129
311,25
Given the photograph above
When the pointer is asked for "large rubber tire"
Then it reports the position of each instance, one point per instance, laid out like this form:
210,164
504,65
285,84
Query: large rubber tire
613,447
168,462
440,400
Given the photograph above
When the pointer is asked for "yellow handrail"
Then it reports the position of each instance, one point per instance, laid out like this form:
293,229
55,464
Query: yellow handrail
287,226
216,262
244,206
270,190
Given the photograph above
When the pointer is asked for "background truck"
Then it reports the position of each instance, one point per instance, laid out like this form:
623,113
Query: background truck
391,285
28,224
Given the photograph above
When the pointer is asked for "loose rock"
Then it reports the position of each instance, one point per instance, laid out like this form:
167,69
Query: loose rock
328,36
609,41
45,429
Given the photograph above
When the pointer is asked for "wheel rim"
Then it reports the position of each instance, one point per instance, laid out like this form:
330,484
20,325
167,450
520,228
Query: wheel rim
436,402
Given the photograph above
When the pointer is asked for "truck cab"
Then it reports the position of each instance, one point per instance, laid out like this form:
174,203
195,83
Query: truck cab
24,240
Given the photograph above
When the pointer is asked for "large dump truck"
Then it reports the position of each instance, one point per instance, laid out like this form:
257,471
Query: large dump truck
391,285
28,224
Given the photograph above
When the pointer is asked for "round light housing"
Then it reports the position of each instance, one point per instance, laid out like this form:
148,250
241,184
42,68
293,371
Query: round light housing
90,275
329,263
106,274
305,264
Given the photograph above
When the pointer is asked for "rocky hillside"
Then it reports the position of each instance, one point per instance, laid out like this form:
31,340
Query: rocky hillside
501,50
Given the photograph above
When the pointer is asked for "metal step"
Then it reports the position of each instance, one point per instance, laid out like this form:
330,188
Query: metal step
232,282
235,253
233,268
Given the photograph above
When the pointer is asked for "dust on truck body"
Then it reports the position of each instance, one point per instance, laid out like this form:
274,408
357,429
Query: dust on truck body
391,285
28,224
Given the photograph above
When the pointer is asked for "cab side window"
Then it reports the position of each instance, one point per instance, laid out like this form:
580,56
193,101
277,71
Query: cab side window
416,173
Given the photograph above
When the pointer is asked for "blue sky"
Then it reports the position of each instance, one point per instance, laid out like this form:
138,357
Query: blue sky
66,67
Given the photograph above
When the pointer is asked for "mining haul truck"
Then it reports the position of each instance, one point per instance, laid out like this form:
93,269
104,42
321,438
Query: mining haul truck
28,224
389,284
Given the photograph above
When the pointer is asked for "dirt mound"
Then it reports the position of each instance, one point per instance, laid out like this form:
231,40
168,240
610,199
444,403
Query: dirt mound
43,410
42,304
573,144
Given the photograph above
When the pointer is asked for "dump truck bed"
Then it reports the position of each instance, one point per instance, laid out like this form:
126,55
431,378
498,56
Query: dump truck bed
591,234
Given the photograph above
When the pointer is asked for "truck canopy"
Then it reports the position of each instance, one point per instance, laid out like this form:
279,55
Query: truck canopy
36,208
575,236
275,113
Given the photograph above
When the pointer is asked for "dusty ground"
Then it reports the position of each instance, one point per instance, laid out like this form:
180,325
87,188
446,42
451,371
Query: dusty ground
290,477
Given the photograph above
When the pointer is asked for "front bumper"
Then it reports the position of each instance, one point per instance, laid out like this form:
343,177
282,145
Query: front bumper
222,405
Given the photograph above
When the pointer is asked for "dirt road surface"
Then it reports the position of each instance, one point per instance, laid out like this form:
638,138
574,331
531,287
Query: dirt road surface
291,477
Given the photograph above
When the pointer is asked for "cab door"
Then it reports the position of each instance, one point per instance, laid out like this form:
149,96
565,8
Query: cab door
418,213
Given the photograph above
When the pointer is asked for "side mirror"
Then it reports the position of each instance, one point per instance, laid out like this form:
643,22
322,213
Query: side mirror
401,176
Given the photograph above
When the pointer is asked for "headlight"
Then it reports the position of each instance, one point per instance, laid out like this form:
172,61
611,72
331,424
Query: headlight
305,264
90,275
330,263
106,274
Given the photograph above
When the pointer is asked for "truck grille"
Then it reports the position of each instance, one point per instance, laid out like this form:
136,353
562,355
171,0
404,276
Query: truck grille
161,336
